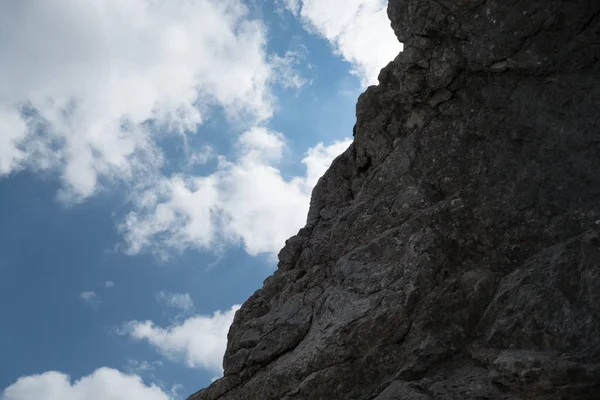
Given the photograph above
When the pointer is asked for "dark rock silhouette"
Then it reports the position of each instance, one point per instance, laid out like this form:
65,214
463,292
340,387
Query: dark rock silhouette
453,251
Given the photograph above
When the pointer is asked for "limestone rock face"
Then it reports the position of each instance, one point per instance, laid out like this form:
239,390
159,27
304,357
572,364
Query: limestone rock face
453,251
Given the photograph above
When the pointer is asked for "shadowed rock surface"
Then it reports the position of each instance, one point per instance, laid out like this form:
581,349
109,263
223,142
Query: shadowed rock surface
453,251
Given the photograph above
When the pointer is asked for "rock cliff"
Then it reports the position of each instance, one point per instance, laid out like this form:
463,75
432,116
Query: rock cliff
453,251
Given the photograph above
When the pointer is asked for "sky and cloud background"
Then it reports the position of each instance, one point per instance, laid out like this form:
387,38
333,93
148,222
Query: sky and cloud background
154,157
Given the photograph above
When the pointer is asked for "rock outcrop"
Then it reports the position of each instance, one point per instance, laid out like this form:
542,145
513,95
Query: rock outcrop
453,251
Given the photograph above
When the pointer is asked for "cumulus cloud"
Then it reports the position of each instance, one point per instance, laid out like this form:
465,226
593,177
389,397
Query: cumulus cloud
181,301
81,81
359,31
245,201
89,88
109,284
103,384
91,298
199,341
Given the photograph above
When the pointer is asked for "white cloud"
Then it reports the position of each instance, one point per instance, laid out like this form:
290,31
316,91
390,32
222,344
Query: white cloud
88,295
91,297
88,87
359,30
182,301
202,156
199,341
103,384
81,79
292,5
246,201
319,158
109,284
286,66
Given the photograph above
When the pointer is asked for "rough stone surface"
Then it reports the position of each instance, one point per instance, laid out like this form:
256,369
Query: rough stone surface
453,251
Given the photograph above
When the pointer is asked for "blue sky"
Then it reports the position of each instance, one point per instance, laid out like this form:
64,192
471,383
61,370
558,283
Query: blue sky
154,157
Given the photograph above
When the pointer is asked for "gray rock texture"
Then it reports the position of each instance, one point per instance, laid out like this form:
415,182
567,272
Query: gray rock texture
453,251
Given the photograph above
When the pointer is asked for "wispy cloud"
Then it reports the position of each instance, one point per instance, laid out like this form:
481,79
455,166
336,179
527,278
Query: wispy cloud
287,66
181,301
91,298
144,369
